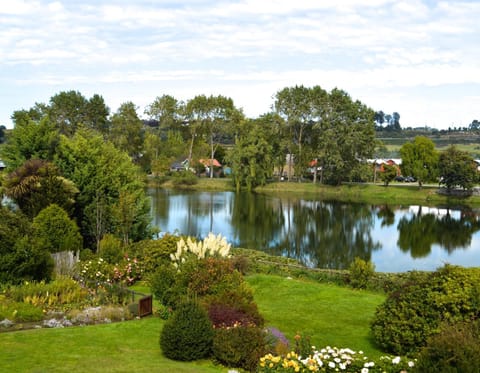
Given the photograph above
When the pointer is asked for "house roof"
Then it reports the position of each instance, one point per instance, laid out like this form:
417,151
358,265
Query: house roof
208,162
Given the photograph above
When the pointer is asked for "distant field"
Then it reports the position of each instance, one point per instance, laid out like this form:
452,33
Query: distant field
472,146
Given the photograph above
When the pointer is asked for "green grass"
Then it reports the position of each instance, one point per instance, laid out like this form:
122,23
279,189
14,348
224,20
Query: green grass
330,314
131,346
395,193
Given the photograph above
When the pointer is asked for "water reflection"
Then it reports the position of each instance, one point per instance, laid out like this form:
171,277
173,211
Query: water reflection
428,226
320,233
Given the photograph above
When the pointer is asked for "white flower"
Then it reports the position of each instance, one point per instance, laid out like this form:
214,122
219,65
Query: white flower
396,360
364,370
411,364
331,364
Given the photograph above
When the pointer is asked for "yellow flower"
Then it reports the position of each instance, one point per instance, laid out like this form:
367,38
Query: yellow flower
270,365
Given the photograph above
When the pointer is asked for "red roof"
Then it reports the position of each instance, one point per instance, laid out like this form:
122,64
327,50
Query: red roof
208,162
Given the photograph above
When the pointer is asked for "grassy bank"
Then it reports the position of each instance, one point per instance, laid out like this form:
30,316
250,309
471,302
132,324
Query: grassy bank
330,314
397,193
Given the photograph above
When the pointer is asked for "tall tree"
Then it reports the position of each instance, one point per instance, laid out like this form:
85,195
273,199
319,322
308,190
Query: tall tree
251,156
97,113
213,116
68,111
301,108
102,172
127,130
3,130
29,139
420,159
167,110
457,169
347,137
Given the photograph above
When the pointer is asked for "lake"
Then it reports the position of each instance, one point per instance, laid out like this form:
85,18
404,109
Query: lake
325,234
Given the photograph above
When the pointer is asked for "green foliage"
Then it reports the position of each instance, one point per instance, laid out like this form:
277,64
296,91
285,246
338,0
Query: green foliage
420,159
165,286
184,178
415,310
60,293
102,173
361,273
457,168
388,174
111,249
55,232
251,157
20,257
36,184
154,253
20,311
188,334
97,271
29,139
455,349
240,346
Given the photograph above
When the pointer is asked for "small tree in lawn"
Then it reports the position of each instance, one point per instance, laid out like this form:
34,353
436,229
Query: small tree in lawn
388,174
457,168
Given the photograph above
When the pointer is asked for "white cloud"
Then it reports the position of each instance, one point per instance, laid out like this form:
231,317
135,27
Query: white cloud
244,49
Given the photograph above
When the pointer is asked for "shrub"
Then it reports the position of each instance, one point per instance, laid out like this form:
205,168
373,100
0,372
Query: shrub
19,311
188,334
61,292
110,249
184,178
166,287
154,253
455,349
211,276
234,306
361,272
239,346
211,246
54,231
414,311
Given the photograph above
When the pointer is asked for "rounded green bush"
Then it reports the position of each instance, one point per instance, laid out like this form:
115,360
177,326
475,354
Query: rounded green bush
240,346
361,272
415,310
455,349
188,334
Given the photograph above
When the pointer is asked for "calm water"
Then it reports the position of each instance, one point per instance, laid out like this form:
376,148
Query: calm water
325,234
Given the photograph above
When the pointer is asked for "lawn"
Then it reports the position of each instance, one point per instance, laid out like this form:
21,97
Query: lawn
331,315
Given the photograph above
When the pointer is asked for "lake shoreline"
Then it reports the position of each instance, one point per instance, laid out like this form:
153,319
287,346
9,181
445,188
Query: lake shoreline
394,194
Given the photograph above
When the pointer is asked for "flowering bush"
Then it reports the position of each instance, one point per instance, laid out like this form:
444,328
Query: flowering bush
332,359
211,246
99,271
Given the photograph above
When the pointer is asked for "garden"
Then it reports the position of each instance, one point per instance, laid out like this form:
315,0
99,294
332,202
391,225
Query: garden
218,308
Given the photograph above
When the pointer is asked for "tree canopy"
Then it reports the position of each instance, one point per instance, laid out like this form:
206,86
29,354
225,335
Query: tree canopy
457,169
420,159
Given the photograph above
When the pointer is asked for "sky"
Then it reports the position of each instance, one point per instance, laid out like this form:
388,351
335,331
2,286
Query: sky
420,58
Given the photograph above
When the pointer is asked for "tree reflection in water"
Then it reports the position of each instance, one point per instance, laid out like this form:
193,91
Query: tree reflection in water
322,234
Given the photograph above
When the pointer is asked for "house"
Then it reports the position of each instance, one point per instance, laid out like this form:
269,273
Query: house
209,162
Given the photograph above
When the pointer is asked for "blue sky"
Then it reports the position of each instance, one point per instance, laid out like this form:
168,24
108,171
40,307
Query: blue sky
420,58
